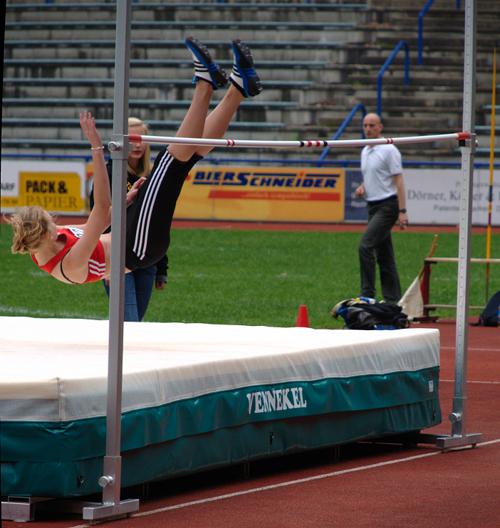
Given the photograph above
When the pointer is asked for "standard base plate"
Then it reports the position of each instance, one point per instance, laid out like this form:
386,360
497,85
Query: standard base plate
110,511
452,442
20,509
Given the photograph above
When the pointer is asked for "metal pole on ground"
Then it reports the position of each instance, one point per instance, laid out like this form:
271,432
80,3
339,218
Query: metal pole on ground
110,481
459,436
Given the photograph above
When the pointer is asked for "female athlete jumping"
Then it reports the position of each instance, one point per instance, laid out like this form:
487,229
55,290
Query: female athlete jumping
81,254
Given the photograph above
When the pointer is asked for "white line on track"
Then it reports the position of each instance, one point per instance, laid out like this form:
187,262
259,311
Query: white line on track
288,483
473,349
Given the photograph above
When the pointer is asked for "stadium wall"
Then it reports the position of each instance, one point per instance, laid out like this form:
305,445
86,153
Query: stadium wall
257,193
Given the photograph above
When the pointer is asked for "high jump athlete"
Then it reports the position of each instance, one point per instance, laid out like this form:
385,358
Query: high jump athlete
81,254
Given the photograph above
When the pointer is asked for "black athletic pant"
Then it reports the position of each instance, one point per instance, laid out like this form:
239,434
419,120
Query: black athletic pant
376,243
149,218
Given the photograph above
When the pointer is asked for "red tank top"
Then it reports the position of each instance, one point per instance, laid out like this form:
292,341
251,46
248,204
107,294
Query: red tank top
70,236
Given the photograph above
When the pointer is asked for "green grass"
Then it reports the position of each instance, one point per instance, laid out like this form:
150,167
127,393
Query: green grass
245,277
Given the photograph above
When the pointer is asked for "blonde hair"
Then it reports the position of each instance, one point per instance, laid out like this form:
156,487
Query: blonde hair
144,166
29,226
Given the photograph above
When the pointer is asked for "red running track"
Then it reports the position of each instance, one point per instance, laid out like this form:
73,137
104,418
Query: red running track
368,485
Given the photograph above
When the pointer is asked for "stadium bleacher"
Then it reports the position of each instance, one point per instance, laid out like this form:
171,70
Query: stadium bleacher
317,60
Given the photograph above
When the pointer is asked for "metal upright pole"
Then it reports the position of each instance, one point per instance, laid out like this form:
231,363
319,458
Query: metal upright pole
110,481
459,436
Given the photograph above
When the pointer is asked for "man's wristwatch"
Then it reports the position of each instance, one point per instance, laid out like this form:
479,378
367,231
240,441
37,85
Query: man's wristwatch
402,211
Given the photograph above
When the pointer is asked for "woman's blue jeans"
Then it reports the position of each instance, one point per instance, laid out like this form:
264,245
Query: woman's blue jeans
138,288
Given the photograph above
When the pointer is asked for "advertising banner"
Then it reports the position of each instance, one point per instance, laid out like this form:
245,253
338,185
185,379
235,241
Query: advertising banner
265,194
58,187
355,208
433,196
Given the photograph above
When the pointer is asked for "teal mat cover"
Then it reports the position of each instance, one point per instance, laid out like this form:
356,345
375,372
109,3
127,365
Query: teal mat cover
64,459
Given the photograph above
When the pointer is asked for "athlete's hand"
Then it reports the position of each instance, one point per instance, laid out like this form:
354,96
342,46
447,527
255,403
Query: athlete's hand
87,124
132,194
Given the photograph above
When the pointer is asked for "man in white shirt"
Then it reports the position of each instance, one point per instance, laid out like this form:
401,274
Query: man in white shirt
384,192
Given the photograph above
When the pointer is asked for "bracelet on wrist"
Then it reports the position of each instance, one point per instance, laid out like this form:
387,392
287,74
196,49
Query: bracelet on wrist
97,148
402,211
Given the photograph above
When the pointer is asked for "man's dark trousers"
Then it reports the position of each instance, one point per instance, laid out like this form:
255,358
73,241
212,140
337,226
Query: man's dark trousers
376,247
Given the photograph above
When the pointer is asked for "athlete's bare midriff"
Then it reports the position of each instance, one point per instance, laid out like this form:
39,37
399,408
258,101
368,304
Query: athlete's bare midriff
106,243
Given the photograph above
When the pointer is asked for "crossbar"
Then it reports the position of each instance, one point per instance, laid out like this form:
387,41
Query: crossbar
311,143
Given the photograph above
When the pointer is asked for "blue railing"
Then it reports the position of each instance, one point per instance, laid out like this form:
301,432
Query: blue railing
421,15
359,107
385,67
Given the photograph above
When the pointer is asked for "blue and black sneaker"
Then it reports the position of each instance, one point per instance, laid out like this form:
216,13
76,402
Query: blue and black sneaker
244,77
204,66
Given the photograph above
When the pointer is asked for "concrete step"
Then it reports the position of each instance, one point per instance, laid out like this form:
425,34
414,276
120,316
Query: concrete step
301,92
445,5
268,71
170,89
436,80
158,50
199,11
69,129
432,58
250,110
422,123
245,30
407,19
247,35
438,41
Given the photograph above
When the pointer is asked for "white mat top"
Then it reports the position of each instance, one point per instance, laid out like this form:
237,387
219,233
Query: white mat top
56,369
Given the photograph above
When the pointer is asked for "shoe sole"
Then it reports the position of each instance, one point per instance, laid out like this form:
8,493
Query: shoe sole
218,76
251,83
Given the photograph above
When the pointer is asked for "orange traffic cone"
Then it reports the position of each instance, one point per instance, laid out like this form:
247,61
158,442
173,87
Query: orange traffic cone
302,317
